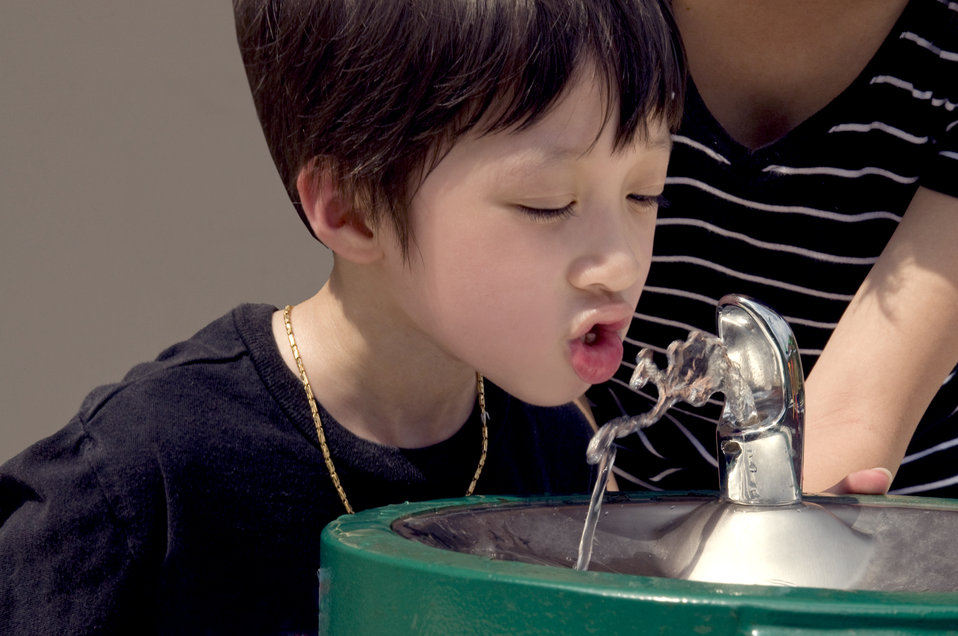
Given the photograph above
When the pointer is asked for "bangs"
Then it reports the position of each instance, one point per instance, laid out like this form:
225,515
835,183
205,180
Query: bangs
411,76
526,53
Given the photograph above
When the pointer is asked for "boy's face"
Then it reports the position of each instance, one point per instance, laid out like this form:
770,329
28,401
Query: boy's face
530,249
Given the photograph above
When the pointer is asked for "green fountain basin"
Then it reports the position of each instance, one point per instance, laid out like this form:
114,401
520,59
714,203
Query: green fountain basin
483,565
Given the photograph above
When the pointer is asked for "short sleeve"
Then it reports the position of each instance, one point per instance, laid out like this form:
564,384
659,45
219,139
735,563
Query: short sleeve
940,172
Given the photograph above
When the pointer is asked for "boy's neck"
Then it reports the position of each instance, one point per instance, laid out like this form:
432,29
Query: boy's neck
381,382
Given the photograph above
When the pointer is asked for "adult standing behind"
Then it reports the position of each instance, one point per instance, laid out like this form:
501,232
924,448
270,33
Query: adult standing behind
816,169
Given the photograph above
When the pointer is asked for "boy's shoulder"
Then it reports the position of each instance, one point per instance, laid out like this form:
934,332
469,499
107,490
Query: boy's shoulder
195,396
183,446
195,367
176,419
224,340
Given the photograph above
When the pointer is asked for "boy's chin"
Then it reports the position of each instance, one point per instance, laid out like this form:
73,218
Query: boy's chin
553,395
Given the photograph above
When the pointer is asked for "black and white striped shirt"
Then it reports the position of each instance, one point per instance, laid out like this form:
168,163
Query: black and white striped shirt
796,224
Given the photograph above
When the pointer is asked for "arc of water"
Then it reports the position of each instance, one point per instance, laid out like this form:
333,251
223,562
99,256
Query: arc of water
697,368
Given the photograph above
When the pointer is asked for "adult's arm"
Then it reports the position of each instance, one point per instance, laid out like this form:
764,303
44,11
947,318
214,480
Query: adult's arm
892,349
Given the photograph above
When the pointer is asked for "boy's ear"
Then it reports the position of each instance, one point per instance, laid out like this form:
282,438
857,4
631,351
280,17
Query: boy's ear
333,218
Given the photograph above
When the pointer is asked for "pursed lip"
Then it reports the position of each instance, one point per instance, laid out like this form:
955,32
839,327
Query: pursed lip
596,350
608,318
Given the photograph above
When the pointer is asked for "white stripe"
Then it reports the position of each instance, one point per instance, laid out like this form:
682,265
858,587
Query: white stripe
949,154
951,125
695,442
807,322
917,94
665,291
692,439
627,365
682,139
691,260
951,481
951,5
922,42
681,293
617,402
841,172
951,376
929,451
635,480
642,436
774,247
785,209
883,127
664,321
647,443
705,421
665,473
641,345
626,385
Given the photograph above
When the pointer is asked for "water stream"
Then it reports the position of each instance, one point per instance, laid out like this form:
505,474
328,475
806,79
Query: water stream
697,368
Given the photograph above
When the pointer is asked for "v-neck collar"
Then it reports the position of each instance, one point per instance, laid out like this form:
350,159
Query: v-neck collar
698,116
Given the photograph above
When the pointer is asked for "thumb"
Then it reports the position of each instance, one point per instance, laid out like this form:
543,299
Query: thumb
873,481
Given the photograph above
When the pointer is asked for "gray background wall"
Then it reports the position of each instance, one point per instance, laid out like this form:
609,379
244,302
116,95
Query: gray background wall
137,197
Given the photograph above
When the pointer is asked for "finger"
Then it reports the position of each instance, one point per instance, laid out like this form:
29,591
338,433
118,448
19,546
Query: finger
874,481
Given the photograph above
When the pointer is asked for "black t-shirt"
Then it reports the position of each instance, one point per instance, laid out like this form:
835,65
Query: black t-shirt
189,498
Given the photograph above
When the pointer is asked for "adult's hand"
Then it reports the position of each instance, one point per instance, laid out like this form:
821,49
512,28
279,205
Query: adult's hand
873,481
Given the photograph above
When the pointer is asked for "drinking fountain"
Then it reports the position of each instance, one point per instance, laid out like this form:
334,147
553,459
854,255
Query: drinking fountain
755,557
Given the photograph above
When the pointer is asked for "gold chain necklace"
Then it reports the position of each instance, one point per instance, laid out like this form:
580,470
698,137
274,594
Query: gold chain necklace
318,422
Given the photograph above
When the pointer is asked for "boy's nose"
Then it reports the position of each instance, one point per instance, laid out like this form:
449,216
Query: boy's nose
616,258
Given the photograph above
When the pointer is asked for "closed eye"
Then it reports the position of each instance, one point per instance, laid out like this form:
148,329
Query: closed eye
549,214
649,200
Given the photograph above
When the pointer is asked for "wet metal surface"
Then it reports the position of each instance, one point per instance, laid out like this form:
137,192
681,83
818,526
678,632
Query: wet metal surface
828,542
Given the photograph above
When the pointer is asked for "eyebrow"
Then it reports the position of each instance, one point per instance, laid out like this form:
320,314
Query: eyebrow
522,166
560,152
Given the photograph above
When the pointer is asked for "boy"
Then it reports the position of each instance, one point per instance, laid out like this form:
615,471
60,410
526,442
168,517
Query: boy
486,174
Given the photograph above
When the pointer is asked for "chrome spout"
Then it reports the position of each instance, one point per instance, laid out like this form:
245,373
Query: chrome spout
760,460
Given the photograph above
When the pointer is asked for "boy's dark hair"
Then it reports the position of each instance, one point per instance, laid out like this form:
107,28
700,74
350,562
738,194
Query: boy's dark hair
375,90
